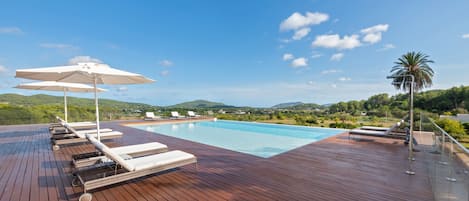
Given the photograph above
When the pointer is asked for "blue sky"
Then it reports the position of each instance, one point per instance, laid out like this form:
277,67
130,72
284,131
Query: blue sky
245,53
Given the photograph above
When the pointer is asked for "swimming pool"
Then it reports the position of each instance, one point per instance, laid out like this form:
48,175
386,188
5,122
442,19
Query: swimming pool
259,139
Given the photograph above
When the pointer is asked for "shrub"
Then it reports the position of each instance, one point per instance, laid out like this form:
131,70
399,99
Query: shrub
342,125
453,127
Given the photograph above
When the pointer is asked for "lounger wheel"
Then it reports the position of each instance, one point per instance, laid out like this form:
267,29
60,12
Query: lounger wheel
76,182
85,197
55,147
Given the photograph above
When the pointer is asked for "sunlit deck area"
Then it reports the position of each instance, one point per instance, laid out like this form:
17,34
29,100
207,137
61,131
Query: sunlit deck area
337,168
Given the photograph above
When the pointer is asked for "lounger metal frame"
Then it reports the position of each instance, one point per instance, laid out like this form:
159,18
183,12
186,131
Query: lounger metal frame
121,175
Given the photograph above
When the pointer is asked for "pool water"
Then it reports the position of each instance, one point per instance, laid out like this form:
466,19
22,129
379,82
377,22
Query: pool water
259,139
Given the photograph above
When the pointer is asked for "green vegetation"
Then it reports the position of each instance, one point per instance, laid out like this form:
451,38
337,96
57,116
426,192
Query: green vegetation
286,105
459,131
18,109
199,104
453,127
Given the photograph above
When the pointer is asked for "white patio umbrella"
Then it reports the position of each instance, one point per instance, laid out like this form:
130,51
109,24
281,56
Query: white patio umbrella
59,86
87,73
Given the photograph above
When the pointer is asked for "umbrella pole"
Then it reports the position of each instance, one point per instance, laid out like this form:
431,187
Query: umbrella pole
97,109
65,105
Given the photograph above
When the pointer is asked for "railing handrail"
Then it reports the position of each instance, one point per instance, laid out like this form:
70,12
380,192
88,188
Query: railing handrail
449,136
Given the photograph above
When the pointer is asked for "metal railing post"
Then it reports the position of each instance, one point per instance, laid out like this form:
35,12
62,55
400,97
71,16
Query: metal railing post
451,171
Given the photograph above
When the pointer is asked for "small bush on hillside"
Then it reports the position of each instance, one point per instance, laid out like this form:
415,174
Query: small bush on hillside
453,127
342,125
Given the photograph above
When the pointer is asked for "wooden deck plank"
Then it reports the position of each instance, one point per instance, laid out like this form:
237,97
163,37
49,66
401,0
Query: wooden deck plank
333,169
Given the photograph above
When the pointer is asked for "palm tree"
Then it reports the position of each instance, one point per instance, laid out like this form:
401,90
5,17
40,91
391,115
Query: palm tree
415,64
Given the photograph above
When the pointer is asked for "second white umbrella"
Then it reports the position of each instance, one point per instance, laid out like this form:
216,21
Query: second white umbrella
59,86
87,73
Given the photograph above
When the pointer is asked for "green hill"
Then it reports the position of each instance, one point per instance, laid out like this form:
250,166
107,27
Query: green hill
200,104
286,105
298,106
18,109
41,99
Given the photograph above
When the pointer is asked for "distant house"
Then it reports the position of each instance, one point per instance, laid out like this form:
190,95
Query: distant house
463,118
240,112
221,111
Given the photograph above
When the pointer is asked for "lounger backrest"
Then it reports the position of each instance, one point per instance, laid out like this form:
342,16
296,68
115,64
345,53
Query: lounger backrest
175,114
109,153
149,114
392,128
191,113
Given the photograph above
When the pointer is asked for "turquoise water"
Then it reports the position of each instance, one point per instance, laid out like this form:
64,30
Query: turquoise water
259,139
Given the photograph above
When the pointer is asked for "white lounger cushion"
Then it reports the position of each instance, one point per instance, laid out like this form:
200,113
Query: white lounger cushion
367,132
374,128
137,148
157,160
144,162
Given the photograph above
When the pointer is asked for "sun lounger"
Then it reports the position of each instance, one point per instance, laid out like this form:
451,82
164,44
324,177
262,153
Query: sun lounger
68,133
59,127
81,137
374,128
389,132
125,170
175,115
191,114
151,116
130,151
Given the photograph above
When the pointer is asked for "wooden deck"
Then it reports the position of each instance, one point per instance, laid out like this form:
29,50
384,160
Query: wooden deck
333,169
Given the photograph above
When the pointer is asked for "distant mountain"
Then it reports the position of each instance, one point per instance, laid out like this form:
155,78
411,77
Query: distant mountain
306,106
298,106
286,105
201,104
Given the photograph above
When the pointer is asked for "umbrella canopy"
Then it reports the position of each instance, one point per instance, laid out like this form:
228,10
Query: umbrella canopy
59,86
87,73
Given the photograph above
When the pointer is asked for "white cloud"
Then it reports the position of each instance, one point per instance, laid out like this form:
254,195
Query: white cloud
299,62
316,55
334,86
337,57
166,63
376,28
330,71
311,83
297,20
288,56
80,59
10,30
164,73
343,79
374,34
386,47
465,36
300,33
334,41
3,69
57,46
